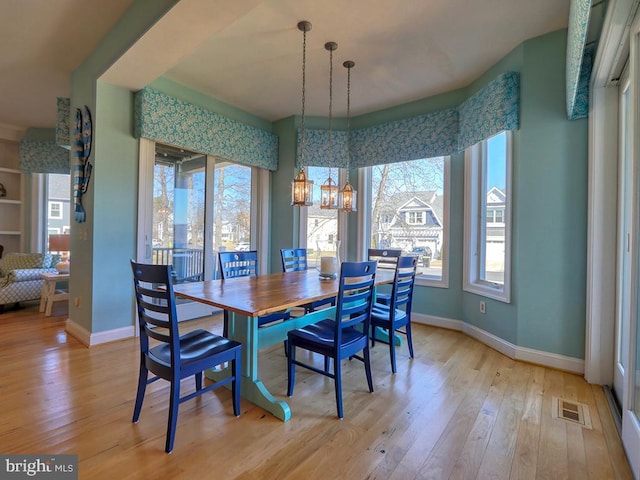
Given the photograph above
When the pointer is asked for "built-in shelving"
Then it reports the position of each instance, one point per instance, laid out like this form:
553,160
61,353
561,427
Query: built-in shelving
11,205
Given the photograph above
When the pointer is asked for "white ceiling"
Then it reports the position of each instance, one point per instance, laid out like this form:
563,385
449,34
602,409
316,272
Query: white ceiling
248,53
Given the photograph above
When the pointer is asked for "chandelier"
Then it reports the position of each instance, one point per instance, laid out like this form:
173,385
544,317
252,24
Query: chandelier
329,189
347,196
301,187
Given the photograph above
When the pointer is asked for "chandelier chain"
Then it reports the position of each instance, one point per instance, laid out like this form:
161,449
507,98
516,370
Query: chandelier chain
304,78
348,121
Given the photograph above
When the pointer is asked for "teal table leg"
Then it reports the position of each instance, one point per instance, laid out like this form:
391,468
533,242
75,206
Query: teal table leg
245,330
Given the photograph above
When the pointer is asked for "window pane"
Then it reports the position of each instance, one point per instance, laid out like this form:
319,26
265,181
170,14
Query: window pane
322,224
494,197
407,210
232,208
178,212
58,201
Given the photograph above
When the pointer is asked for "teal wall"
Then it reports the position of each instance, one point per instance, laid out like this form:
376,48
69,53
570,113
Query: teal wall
552,188
285,219
102,246
115,216
548,301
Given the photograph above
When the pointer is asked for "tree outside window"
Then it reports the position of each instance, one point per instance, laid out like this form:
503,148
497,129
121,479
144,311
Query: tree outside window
408,211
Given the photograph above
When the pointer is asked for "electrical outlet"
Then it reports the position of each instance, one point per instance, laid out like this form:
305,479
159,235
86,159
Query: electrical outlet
76,302
483,307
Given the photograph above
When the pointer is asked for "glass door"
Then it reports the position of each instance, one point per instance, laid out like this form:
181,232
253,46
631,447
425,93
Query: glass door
191,206
625,199
178,219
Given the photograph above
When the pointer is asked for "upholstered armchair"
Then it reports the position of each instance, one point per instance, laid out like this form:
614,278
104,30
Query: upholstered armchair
20,276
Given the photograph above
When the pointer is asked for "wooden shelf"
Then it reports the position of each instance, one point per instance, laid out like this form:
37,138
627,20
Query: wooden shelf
11,206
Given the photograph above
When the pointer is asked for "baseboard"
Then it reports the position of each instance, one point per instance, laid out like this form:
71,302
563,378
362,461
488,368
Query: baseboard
91,339
539,357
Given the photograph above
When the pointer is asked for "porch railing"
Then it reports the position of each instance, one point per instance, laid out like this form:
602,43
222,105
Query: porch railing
188,263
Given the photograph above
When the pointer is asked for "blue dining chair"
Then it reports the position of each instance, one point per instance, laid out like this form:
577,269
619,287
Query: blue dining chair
244,264
397,313
387,259
342,337
176,357
295,260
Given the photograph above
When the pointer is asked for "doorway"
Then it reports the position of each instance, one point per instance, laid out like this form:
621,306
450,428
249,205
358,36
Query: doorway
191,206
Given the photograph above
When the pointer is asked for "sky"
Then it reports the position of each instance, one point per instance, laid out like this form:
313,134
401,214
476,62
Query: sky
497,161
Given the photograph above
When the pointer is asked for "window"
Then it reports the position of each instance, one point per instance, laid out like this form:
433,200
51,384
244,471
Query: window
55,210
415,218
487,217
410,211
58,201
321,224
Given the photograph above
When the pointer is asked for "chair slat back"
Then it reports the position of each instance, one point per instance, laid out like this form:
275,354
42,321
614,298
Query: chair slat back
238,264
294,259
355,296
387,258
403,282
156,305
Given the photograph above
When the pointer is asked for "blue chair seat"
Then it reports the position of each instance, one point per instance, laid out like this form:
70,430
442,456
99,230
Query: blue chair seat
323,334
195,347
380,316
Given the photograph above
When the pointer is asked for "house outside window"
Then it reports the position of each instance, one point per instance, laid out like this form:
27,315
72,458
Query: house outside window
409,211
487,249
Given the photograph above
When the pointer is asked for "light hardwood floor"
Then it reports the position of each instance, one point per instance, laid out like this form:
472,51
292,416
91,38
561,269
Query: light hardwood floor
459,410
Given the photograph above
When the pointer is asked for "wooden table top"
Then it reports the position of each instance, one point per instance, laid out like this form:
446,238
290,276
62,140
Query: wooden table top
264,294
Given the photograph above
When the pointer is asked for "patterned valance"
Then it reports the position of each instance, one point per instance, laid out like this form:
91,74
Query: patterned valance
172,121
424,136
38,156
491,110
578,70
62,122
322,149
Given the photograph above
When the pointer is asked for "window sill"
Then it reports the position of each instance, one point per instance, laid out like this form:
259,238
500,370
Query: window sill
426,281
488,291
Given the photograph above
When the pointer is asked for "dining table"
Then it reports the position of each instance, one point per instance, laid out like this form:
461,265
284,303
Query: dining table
247,298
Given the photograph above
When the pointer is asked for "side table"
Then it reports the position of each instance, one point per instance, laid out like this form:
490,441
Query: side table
50,293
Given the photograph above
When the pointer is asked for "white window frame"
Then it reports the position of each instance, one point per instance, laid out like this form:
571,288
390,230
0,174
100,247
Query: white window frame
418,218
364,224
475,221
61,213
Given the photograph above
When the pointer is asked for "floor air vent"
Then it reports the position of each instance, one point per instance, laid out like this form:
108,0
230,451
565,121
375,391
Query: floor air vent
574,412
